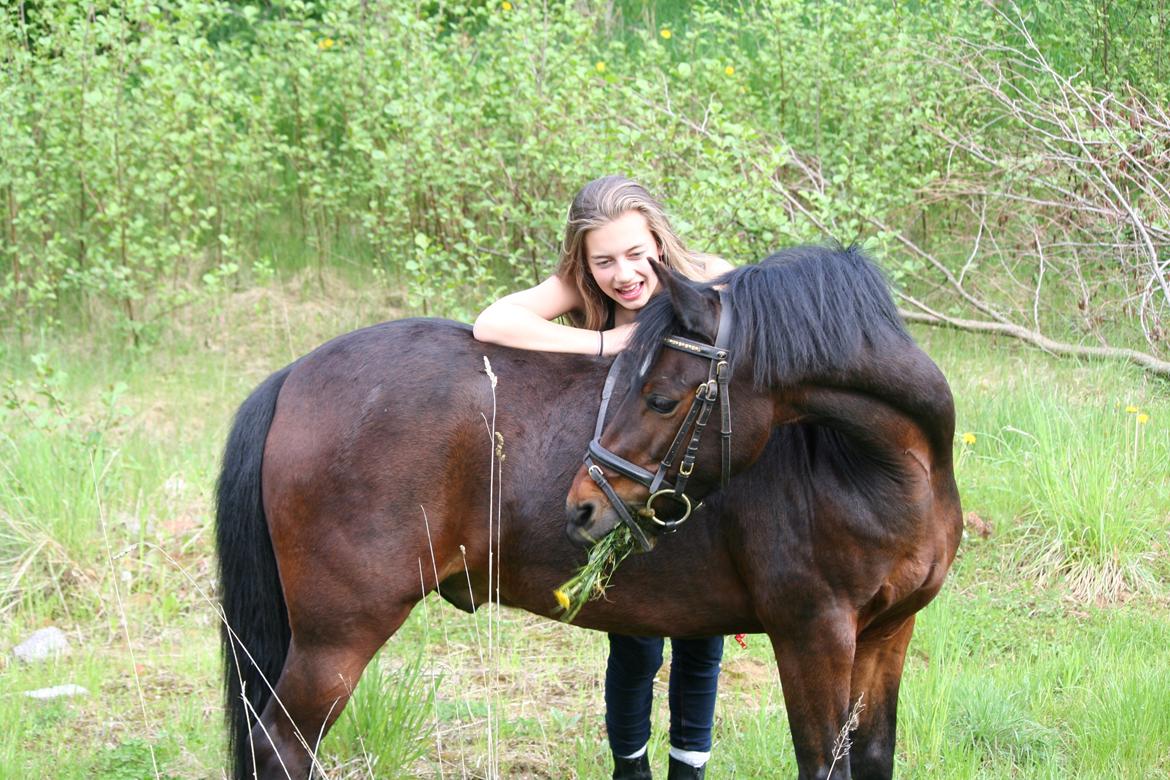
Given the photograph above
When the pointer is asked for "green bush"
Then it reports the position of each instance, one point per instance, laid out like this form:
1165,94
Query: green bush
156,151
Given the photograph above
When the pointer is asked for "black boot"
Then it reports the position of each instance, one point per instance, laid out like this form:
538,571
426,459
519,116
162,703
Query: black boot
683,771
632,768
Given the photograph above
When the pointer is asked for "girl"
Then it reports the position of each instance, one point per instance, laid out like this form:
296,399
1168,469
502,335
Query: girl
614,229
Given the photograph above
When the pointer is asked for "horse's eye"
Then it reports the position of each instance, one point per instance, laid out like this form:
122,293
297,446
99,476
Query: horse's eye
661,404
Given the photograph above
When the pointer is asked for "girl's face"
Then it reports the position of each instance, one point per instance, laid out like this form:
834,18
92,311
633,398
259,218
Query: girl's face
619,254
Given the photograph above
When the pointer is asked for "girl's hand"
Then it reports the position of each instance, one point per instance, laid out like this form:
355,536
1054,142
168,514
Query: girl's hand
617,338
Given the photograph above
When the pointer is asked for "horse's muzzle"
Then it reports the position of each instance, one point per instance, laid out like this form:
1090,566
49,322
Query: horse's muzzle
589,521
580,517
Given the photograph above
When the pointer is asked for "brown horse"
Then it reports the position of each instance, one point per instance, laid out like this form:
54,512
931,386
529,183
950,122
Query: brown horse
347,471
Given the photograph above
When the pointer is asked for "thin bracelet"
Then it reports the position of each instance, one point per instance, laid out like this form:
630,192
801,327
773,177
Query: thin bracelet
600,343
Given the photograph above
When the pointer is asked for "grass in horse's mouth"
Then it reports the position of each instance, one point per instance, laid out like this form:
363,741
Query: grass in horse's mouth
591,579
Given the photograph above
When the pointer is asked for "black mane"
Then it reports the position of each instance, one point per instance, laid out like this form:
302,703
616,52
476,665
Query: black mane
803,311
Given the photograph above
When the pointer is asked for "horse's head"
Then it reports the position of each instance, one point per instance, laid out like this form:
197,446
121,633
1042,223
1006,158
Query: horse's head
668,442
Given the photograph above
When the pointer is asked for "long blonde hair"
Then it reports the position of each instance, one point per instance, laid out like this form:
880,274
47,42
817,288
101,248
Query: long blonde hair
599,202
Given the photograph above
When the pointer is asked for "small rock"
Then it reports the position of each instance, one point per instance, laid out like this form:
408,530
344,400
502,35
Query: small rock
174,487
57,691
42,645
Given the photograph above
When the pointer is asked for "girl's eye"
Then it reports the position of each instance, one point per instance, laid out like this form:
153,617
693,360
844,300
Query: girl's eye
661,404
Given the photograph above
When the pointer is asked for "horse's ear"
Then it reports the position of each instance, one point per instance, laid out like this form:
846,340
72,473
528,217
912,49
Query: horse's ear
696,308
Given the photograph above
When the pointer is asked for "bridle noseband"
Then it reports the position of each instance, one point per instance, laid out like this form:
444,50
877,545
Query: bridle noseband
706,395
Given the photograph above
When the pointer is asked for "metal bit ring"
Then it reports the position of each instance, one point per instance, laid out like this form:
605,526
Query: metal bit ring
681,498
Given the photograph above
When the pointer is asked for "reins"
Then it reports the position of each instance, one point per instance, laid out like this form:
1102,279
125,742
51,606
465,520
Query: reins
715,389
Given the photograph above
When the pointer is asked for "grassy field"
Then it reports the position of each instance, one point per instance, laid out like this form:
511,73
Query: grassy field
1046,655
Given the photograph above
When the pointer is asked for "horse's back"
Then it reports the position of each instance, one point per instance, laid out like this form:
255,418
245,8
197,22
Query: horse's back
396,382
382,436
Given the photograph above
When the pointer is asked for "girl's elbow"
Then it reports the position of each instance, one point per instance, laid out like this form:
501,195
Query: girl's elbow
482,329
478,330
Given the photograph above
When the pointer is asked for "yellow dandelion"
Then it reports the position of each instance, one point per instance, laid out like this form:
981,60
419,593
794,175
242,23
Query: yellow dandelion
1131,409
729,70
968,438
506,5
561,598
665,33
1143,418
600,66
325,43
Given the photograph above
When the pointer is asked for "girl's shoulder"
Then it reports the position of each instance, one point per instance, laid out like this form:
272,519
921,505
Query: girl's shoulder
703,267
715,266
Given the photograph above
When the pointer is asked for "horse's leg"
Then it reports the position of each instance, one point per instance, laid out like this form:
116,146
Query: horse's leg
815,658
319,675
877,673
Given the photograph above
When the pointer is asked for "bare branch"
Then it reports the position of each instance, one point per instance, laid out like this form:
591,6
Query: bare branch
1149,362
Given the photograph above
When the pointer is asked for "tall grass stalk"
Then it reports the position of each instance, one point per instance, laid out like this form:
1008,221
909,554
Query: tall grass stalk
96,481
434,687
497,452
844,741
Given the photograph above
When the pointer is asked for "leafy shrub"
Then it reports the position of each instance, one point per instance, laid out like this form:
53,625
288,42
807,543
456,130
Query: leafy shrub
160,151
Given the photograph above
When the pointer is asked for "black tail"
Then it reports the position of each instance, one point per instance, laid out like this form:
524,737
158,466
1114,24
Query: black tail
255,634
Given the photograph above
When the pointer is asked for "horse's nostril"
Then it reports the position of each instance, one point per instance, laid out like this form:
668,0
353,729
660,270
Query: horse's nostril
582,514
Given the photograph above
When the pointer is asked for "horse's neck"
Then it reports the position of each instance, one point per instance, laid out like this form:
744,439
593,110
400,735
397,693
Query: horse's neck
888,406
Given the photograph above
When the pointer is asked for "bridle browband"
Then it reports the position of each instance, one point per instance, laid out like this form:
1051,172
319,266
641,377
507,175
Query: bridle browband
707,393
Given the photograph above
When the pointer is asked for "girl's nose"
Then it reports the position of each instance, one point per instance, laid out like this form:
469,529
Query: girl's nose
624,271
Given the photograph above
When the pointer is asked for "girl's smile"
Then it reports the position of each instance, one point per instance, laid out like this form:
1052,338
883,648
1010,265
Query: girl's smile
619,254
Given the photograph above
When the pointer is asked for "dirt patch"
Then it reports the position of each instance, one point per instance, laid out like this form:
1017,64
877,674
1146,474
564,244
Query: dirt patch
748,672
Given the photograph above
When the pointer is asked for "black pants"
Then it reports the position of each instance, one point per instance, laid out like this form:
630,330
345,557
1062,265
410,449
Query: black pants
629,690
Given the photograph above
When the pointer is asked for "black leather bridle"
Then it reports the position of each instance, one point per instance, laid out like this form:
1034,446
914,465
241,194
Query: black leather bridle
706,395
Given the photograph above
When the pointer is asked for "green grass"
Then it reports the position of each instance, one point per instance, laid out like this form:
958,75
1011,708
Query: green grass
1062,465
388,723
1046,655
1010,680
